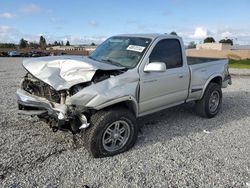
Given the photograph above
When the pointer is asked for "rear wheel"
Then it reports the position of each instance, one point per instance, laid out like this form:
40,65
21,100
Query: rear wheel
111,131
210,103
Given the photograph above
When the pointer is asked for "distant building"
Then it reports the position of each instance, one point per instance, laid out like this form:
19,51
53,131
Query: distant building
213,46
88,48
63,48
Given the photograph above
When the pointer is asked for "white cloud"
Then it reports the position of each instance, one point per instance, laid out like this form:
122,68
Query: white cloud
7,15
226,34
8,34
30,8
5,29
82,39
200,32
240,35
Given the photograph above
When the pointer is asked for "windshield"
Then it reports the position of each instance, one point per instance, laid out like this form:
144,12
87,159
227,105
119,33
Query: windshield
121,51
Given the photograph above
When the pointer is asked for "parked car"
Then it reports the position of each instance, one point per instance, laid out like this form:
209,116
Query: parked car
24,54
38,54
4,54
126,77
13,54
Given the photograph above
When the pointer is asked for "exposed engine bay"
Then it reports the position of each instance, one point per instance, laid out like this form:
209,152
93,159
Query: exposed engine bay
99,76
38,88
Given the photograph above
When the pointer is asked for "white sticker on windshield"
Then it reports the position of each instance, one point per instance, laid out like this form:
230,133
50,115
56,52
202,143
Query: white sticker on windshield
135,48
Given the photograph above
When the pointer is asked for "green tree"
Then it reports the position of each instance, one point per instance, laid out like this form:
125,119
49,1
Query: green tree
33,45
42,42
191,45
67,43
226,41
7,45
93,44
56,43
209,40
23,43
173,33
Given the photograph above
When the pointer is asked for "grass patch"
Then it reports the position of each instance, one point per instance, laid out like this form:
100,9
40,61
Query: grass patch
239,64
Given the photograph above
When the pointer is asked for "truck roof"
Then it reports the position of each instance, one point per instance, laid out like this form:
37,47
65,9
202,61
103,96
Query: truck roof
149,35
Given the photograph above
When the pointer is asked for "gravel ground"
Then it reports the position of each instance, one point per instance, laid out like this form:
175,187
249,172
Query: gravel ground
175,149
239,72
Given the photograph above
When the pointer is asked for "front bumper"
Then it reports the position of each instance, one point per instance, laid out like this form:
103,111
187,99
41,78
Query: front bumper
32,105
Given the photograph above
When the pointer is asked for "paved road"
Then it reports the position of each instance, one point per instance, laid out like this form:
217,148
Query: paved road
175,149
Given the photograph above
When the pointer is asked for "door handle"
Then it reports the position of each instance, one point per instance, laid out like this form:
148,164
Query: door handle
149,81
181,75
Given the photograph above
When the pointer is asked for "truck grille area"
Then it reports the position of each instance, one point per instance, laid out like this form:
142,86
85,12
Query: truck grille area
40,89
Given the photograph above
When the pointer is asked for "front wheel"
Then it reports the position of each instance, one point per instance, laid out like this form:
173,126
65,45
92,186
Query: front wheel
112,131
210,103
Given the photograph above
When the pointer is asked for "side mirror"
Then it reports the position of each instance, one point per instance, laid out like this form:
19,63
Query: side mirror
155,67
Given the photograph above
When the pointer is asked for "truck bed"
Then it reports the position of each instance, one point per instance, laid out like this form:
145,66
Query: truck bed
198,60
201,69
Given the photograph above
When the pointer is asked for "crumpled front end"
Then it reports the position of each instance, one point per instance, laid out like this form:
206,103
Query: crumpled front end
124,87
38,98
71,108
63,72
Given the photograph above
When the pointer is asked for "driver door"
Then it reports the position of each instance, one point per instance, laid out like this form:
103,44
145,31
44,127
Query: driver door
159,90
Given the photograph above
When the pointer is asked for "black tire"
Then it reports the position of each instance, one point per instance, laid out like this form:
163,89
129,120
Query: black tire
100,122
202,106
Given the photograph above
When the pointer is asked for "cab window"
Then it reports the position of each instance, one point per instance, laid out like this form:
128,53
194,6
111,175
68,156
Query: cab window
169,52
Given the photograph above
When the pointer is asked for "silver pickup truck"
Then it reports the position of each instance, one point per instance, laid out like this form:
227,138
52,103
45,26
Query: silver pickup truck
126,77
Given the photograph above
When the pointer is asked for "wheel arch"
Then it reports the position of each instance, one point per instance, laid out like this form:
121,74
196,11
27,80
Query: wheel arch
217,78
128,102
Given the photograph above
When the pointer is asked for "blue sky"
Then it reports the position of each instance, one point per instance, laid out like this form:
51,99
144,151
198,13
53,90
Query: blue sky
93,21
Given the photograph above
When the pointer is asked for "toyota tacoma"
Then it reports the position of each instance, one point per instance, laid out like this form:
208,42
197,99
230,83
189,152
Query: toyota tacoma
126,77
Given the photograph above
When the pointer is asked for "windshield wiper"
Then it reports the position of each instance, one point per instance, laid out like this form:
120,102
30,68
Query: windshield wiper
111,62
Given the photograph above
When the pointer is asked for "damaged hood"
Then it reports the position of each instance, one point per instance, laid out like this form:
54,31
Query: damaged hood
63,72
